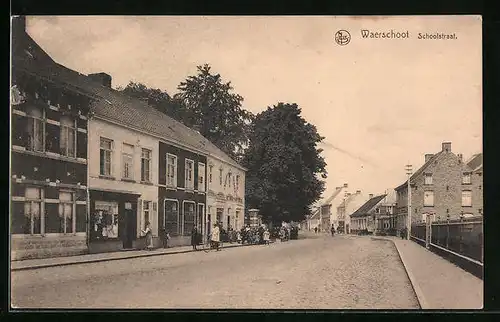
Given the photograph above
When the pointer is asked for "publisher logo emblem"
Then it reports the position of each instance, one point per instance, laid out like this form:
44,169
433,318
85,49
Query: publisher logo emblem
342,37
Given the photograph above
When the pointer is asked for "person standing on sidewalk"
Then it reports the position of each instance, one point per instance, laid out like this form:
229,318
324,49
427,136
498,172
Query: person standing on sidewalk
194,238
149,236
215,238
266,236
332,230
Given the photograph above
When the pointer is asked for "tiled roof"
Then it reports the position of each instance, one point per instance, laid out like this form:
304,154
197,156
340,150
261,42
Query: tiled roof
367,206
475,162
120,108
333,196
420,170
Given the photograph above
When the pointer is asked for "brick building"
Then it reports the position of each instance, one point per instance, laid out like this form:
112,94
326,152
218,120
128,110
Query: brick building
325,214
442,187
368,216
48,215
348,206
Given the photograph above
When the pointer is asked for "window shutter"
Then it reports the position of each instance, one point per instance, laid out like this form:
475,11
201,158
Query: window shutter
154,215
139,215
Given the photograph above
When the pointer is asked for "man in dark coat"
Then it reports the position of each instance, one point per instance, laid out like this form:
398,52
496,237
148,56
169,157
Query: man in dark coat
194,238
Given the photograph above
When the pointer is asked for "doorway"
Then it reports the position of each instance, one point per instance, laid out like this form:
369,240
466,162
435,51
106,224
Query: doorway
130,226
201,215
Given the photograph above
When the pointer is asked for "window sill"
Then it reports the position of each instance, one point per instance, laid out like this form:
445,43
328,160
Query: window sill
466,206
106,177
467,184
148,183
128,180
48,154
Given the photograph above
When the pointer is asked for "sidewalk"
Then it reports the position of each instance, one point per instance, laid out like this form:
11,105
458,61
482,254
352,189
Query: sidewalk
101,257
438,283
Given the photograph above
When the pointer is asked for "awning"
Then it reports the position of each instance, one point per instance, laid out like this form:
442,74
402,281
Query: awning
125,192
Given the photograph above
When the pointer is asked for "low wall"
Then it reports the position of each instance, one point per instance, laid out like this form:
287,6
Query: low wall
31,247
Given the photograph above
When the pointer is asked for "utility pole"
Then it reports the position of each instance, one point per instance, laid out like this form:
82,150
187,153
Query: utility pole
408,169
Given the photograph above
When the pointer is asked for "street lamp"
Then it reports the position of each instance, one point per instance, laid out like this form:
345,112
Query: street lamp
408,169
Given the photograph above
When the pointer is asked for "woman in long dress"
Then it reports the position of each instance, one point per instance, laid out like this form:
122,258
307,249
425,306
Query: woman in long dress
149,236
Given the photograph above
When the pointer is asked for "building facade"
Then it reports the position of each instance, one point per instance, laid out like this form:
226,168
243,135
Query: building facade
442,187
347,208
123,184
367,217
182,191
226,193
48,155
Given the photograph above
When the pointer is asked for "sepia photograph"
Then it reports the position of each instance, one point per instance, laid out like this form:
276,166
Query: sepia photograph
246,162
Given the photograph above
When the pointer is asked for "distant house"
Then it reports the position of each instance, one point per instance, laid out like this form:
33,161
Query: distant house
443,187
323,216
347,207
368,215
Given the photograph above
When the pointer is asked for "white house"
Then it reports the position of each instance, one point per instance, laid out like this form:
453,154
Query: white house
226,192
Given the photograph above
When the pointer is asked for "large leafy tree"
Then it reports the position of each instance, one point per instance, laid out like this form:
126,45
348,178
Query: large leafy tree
213,109
285,167
205,103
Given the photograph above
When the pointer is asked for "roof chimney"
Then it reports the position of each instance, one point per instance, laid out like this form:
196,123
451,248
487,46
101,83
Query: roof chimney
101,78
446,147
460,157
428,157
345,185
337,188
358,192
370,195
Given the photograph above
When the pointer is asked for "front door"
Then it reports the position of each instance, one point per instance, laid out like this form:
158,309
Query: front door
130,227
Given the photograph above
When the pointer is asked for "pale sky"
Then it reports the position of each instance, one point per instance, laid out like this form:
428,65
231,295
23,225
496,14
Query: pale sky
382,102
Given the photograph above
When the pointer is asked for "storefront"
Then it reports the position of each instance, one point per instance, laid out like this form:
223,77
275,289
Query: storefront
113,220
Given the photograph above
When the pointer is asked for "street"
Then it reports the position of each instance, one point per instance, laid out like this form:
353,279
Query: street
343,272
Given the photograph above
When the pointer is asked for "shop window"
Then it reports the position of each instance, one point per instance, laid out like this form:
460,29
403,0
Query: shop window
201,177
66,215
189,177
171,217
171,170
188,218
105,220
81,218
33,211
68,137
146,165
35,129
128,161
52,217
106,150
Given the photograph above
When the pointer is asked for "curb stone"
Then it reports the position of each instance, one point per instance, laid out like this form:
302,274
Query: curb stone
97,260
416,288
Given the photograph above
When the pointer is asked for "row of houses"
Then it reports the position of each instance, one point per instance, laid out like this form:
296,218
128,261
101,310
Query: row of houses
91,166
445,187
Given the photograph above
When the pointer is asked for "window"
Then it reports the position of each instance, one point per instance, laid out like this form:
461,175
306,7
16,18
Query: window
33,211
220,176
105,220
66,215
210,168
128,161
466,198
105,156
171,217
428,198
201,177
466,178
35,130
237,183
427,178
189,178
146,208
68,137
189,218
146,165
171,170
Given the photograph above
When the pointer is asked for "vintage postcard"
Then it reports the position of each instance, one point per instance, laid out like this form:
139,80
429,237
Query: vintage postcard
246,162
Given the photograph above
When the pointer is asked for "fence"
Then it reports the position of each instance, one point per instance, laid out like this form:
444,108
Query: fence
460,238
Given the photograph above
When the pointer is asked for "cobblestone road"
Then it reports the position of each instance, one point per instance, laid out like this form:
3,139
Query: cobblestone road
320,273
